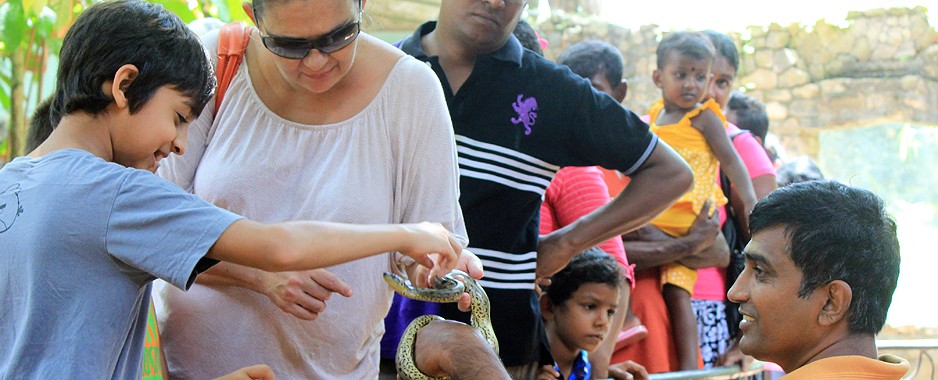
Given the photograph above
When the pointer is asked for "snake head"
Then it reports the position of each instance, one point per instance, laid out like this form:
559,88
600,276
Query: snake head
445,282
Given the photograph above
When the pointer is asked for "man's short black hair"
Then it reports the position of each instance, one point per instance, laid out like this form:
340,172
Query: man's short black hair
114,33
838,232
589,58
590,266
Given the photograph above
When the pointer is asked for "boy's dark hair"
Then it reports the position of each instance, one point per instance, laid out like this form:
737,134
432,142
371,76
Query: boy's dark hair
724,46
590,266
588,58
838,232
525,34
690,44
113,33
750,114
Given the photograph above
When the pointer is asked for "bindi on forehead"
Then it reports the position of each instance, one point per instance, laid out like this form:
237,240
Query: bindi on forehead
686,61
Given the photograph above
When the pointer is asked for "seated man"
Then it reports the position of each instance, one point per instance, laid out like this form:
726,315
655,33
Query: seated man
821,269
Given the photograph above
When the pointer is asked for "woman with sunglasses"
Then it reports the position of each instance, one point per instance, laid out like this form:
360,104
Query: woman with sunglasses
320,122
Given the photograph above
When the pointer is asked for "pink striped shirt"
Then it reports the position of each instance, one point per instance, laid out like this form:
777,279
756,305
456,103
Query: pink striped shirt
575,192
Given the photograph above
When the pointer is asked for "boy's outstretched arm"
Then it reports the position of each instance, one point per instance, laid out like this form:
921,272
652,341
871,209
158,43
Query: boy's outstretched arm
661,180
307,244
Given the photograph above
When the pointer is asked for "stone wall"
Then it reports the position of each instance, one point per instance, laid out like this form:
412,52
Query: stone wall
881,68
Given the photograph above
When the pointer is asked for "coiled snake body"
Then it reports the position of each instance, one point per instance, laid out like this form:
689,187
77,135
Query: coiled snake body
447,289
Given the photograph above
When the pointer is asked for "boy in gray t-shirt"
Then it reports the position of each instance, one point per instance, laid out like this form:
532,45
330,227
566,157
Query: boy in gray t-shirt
84,231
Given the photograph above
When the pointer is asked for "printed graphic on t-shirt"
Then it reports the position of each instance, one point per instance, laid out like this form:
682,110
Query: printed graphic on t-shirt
526,115
10,207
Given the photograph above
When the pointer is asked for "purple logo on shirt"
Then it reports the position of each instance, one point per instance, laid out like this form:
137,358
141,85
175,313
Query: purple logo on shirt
526,115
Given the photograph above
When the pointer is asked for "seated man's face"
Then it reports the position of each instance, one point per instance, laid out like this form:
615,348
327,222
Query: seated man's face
778,325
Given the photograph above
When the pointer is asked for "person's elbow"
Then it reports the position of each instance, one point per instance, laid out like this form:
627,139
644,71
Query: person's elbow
682,177
280,252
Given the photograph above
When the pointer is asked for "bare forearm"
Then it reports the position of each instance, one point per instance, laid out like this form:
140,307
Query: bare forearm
647,254
228,274
442,348
763,185
305,244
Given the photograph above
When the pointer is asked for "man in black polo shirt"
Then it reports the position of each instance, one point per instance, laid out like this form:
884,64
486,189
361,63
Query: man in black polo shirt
518,118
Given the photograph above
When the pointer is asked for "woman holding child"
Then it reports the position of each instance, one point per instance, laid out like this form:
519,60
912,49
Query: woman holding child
324,122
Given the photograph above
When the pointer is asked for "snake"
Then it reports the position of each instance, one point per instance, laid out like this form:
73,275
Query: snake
446,289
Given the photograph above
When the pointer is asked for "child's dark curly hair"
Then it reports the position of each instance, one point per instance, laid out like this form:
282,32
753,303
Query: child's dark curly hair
590,266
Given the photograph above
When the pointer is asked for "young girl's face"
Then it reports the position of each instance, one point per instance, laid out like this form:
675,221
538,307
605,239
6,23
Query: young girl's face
155,131
318,72
582,321
683,80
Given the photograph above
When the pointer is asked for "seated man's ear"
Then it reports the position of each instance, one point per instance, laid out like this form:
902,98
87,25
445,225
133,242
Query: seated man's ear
621,90
839,296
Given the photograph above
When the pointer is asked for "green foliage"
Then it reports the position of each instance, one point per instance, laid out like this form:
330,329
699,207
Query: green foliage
32,32
14,25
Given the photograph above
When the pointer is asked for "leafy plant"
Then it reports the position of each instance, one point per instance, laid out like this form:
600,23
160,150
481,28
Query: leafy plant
32,33
32,30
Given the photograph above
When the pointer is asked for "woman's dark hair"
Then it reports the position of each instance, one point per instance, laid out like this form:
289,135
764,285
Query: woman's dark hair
590,266
724,46
837,232
114,33
259,6
588,58
690,44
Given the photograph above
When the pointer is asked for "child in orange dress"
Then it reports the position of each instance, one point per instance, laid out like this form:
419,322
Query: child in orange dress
697,132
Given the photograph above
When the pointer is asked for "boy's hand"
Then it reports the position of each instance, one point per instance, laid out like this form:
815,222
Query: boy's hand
254,372
628,370
303,294
547,372
426,239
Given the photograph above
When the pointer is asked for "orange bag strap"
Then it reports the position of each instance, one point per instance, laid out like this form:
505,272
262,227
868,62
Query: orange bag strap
233,41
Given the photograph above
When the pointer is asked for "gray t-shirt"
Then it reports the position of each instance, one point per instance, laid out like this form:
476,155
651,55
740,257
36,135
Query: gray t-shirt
81,239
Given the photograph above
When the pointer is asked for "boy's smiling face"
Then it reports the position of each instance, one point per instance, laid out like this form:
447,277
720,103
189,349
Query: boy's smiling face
155,131
582,321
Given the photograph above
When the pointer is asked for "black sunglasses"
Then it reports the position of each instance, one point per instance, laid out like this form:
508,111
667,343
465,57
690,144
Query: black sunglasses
299,48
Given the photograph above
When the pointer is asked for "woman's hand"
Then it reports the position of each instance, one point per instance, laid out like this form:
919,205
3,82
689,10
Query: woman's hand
303,294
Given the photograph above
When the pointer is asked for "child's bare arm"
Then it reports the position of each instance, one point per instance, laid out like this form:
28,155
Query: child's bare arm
713,130
307,245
